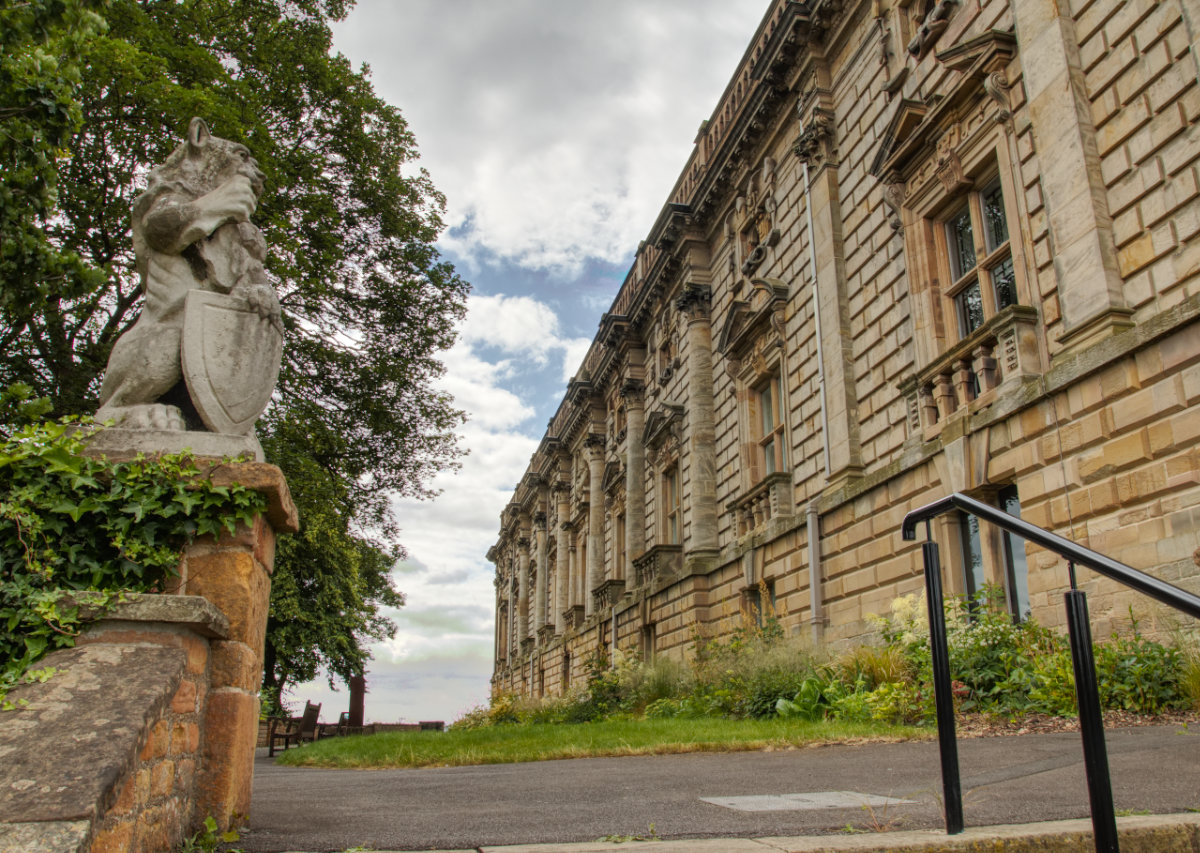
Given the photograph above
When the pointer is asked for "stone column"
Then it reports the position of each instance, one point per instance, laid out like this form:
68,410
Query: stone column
594,449
523,584
562,555
514,604
234,573
576,569
1090,289
635,470
543,556
695,303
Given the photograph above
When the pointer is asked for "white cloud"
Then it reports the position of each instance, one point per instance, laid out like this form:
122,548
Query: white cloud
555,129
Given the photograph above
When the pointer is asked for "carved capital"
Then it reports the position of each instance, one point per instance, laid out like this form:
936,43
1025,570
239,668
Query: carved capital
695,303
633,392
817,146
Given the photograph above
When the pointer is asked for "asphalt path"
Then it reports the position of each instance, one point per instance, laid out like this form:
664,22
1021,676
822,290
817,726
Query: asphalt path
1015,779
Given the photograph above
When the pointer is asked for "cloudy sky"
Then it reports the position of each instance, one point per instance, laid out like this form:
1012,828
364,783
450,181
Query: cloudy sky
556,129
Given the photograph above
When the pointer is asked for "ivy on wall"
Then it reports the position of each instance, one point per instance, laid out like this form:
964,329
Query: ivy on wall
71,523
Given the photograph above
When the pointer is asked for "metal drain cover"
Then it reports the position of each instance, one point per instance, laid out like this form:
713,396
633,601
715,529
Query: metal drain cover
798,802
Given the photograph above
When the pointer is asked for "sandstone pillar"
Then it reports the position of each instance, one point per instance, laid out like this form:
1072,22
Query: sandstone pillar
514,605
1090,290
635,471
594,448
562,555
234,573
523,586
696,303
540,587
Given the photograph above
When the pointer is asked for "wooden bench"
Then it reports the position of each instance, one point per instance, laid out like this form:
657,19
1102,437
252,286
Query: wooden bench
296,729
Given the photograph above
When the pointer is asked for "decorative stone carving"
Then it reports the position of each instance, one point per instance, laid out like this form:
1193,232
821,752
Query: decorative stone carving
205,351
695,303
931,28
894,193
996,86
816,146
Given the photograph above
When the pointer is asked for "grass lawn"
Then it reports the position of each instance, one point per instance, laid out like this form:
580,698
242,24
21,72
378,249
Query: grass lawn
506,744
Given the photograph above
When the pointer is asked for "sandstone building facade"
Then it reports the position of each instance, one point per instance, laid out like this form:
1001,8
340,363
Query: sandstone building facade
921,246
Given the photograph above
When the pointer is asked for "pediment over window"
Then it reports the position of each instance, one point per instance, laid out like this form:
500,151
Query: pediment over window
915,130
614,475
749,321
662,423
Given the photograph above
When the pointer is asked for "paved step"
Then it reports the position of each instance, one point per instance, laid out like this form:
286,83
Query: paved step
1172,833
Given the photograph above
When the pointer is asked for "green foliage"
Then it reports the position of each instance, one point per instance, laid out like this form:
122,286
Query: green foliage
609,737
209,840
43,49
71,523
1138,674
351,226
1000,667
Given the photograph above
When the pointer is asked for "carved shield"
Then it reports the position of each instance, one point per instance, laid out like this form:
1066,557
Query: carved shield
230,358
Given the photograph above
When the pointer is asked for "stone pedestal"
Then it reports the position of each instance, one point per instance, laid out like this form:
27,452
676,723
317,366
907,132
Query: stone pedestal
234,573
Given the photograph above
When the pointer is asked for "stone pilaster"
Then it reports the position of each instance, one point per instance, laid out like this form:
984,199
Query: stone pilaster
562,555
540,587
594,451
696,303
635,471
817,150
1090,289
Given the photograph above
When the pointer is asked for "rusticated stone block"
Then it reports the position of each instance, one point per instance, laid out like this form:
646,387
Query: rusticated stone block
117,838
235,664
238,585
231,728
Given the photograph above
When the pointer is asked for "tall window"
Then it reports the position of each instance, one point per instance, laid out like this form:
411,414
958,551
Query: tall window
758,602
649,639
980,256
972,551
976,551
619,543
671,506
772,444
1016,571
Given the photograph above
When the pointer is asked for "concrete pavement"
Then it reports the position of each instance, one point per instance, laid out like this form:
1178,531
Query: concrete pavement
752,801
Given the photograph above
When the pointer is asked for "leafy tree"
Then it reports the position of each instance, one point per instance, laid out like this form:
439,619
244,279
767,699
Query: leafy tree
40,44
350,226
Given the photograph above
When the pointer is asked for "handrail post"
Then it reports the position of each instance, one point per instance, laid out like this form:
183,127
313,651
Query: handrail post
1091,724
943,694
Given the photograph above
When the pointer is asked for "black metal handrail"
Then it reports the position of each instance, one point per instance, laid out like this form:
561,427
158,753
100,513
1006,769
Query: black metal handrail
1091,720
1159,590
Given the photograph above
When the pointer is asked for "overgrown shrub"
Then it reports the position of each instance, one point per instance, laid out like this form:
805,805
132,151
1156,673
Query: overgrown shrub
70,523
998,666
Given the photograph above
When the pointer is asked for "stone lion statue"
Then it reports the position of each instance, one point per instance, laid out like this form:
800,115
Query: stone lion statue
191,231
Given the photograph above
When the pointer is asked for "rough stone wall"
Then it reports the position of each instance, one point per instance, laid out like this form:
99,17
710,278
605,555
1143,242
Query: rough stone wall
105,756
